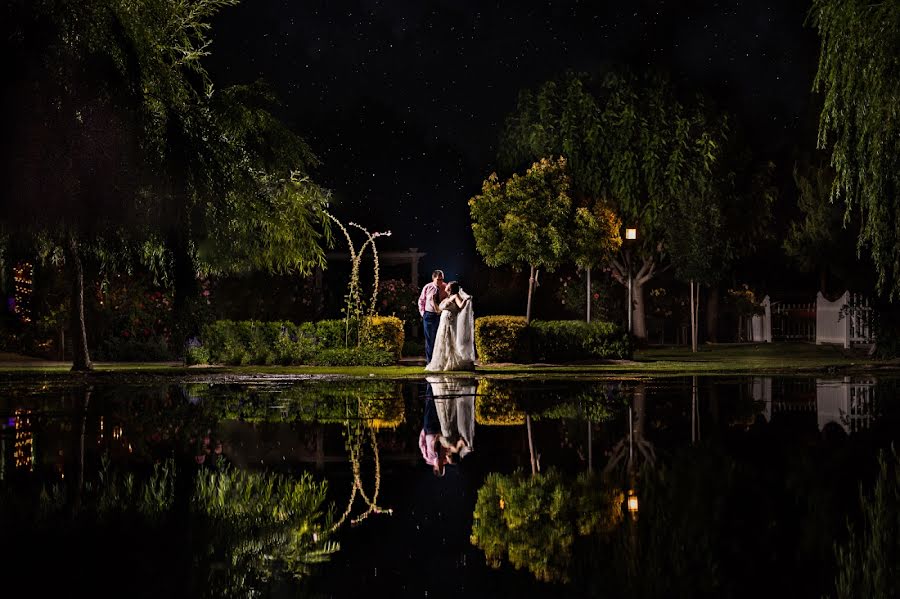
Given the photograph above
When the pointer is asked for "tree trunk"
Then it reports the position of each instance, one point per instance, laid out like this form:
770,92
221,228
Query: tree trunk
588,271
79,482
535,466
532,281
623,273
695,412
712,314
639,322
185,288
81,360
695,301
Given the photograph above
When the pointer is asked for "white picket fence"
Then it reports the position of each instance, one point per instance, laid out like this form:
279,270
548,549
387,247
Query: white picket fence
846,321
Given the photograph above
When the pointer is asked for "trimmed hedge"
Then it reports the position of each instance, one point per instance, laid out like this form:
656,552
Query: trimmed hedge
283,342
502,339
566,340
385,333
510,339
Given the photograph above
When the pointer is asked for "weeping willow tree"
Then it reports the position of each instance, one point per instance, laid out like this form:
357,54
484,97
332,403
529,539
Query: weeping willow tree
859,79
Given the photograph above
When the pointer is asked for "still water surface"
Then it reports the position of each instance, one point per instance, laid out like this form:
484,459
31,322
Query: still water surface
681,487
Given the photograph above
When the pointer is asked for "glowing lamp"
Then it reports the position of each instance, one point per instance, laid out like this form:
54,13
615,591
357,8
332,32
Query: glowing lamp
632,503
631,233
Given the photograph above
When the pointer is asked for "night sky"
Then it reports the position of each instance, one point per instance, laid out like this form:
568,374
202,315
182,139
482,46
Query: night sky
403,100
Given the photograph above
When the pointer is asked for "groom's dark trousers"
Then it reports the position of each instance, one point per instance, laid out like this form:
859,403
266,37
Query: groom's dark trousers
430,320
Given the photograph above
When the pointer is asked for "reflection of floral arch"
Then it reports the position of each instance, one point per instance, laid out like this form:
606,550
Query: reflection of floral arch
355,433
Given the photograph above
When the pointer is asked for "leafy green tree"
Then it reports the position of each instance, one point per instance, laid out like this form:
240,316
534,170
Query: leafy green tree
859,80
524,221
595,240
629,140
818,241
696,247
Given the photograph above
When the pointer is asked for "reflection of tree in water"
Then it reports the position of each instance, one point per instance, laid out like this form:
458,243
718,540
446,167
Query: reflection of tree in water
214,529
239,528
533,520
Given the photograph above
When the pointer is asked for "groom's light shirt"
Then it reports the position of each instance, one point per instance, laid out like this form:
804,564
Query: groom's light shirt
426,298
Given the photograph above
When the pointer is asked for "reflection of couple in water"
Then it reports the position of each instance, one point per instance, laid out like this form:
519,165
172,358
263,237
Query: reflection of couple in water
448,434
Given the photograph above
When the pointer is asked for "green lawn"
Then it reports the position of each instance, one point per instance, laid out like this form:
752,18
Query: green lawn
663,361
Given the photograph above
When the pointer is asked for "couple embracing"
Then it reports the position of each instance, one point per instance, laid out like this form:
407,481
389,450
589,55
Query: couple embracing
449,325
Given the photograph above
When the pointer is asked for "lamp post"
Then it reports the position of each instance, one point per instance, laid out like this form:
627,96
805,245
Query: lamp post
630,234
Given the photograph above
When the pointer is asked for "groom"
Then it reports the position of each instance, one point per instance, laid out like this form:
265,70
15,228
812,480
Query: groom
432,295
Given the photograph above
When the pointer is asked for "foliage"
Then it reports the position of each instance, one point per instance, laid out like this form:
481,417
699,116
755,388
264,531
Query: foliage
572,291
255,521
196,355
819,240
400,299
745,301
869,561
533,520
321,343
696,245
560,340
525,221
627,139
256,524
385,333
329,333
496,406
522,221
502,403
501,339
362,355
149,349
509,339
595,235
859,80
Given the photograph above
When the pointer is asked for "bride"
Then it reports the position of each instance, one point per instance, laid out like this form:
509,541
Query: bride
454,344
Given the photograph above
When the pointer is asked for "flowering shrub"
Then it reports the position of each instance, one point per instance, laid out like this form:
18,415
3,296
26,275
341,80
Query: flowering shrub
135,309
745,302
398,298
571,294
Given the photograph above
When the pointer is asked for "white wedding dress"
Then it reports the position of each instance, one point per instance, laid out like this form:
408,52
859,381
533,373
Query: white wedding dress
454,344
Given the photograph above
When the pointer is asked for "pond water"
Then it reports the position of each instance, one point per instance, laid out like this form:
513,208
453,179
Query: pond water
675,487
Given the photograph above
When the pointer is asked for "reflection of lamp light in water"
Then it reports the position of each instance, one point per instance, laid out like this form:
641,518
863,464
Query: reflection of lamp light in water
632,503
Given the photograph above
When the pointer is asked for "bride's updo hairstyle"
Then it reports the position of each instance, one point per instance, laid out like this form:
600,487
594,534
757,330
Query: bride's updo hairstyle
453,287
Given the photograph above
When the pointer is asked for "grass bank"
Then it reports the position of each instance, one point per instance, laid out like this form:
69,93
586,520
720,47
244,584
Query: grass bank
791,358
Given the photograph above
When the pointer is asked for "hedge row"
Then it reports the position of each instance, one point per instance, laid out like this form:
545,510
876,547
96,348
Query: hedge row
511,339
283,342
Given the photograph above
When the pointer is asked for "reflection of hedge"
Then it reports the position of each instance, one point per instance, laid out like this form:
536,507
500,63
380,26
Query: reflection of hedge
321,343
379,402
505,403
510,339
494,405
533,520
